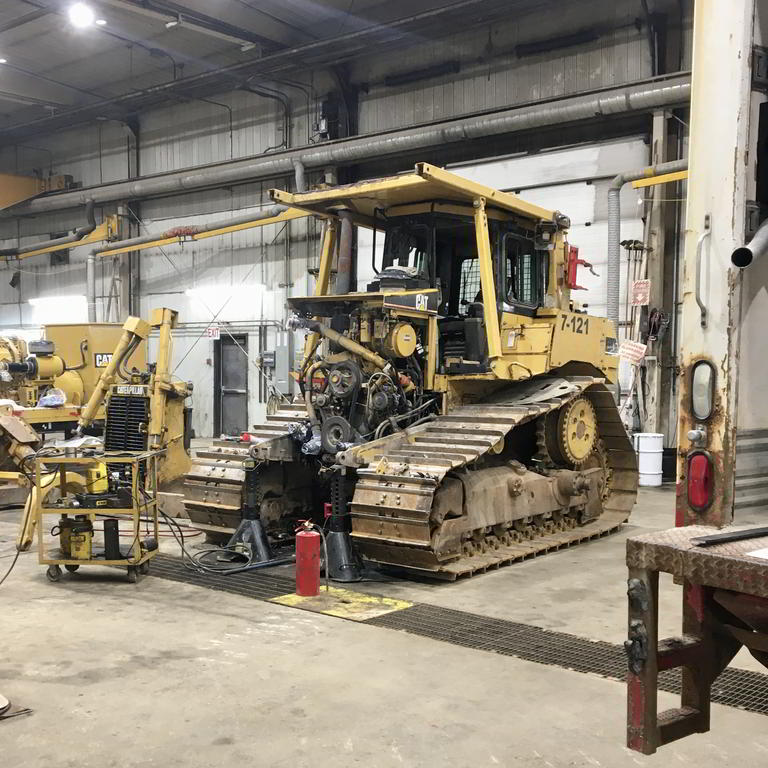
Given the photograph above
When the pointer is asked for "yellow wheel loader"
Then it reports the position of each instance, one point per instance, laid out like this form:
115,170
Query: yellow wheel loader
457,413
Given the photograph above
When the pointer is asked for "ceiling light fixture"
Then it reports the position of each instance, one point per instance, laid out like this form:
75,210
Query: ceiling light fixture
101,22
173,22
81,15
3,61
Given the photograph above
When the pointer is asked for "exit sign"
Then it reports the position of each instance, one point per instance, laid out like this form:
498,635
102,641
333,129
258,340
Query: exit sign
213,332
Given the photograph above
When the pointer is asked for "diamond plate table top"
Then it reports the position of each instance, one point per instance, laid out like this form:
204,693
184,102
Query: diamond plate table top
724,566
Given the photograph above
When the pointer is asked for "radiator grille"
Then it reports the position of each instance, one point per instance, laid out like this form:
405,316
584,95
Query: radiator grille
126,429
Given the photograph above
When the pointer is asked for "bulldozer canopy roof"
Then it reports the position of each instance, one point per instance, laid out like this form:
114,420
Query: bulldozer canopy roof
427,184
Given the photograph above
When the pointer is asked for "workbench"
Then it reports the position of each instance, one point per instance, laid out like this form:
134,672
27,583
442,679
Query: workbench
725,607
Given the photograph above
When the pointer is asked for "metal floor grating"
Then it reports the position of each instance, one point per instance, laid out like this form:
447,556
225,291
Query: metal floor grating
739,688
263,586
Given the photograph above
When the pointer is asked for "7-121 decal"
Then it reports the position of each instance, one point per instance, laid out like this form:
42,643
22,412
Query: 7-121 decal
575,323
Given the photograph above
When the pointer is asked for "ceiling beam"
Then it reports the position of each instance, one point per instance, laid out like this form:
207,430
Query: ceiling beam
193,22
322,53
20,21
36,88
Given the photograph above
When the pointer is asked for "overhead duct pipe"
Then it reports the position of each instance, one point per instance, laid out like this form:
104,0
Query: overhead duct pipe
744,255
636,97
614,228
77,234
266,213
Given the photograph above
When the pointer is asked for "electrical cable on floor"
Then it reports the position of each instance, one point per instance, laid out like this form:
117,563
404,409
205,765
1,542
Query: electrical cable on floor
195,562
11,566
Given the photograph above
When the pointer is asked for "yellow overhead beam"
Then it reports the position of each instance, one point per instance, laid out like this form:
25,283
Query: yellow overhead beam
663,179
177,239
14,189
104,231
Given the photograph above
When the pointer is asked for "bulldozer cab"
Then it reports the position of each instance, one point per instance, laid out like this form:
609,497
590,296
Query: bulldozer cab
486,270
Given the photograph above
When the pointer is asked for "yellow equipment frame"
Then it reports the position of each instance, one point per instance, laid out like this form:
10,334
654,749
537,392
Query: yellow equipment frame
289,215
107,230
148,508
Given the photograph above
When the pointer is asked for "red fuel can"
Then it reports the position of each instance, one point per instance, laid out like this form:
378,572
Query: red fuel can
308,563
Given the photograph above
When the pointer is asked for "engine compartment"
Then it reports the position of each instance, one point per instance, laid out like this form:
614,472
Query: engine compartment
366,378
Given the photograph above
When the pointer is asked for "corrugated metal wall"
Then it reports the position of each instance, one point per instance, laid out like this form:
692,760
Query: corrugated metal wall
492,75
251,265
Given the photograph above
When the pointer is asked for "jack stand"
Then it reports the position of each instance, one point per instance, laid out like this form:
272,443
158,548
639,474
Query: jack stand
343,562
250,533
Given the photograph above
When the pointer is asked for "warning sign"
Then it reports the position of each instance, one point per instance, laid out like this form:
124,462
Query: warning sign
632,351
641,293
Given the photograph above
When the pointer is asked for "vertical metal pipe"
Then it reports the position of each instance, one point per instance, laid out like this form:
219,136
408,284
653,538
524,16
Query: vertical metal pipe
90,282
299,175
344,262
614,228
614,252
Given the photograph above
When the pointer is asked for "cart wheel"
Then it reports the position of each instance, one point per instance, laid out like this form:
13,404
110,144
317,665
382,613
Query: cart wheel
71,568
53,573
144,567
133,574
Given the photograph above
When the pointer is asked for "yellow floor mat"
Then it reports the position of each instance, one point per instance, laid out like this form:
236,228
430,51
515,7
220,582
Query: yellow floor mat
344,603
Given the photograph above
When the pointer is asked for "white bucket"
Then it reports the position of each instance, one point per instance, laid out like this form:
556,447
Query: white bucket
649,447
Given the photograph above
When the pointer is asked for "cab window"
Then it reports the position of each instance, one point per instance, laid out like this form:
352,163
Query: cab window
525,267
469,284
408,247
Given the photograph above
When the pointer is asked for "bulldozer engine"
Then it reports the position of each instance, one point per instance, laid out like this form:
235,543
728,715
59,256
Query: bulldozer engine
356,392
455,409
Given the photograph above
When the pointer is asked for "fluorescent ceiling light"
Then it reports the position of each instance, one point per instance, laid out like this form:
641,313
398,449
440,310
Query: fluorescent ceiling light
3,61
81,15
100,22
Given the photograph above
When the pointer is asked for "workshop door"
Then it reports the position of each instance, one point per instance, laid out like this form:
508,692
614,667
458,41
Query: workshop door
231,385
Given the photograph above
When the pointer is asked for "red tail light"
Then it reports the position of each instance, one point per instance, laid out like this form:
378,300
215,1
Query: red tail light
701,479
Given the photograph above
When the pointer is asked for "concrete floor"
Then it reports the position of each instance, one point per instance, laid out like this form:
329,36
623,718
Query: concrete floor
164,674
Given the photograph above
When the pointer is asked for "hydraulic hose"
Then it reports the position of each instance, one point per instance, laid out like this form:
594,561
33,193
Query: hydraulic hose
343,341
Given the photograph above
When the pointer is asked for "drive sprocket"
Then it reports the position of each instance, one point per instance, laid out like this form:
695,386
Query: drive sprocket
577,430
568,436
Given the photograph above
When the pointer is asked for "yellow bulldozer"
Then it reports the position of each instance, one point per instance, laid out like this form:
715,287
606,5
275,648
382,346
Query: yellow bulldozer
456,413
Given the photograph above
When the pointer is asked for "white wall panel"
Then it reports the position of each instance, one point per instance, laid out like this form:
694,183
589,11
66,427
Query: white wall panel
544,179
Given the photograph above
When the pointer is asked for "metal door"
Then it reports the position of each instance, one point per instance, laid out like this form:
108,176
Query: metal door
231,390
